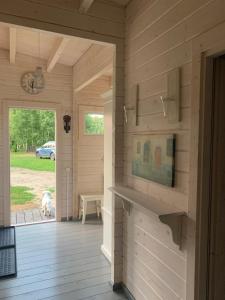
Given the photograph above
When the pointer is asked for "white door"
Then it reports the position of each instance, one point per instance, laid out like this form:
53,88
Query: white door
90,153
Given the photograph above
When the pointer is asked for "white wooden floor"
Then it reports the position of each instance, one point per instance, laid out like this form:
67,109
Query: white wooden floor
59,261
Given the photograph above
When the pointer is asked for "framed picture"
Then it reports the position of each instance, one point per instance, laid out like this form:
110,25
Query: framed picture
154,158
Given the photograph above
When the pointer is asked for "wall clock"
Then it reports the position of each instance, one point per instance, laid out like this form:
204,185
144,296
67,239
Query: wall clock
33,82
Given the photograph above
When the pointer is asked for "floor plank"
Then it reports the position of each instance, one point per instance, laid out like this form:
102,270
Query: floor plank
13,218
20,217
28,216
60,261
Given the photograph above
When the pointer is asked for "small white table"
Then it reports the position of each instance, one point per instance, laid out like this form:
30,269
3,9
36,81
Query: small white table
98,199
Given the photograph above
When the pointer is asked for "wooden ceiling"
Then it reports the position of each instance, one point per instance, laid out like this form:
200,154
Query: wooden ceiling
49,46
54,48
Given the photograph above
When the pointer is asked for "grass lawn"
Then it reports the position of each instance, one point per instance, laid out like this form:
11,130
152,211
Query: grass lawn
29,161
21,195
50,189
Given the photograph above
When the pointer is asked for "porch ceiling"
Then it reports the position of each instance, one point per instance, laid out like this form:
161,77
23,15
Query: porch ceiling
41,44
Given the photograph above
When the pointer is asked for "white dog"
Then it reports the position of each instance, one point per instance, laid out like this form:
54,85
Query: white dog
46,203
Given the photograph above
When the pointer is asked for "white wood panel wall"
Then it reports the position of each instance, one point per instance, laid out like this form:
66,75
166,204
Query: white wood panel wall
58,90
159,37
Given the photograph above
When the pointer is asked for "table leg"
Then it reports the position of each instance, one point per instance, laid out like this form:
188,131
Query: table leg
84,211
98,205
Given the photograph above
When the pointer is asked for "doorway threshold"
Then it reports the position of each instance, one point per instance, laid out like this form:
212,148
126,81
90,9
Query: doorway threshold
34,223
28,217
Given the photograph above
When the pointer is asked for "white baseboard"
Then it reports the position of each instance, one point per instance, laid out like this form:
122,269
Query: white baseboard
106,253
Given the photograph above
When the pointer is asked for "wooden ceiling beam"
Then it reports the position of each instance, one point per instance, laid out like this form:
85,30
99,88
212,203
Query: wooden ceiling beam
96,62
102,72
85,6
56,53
12,45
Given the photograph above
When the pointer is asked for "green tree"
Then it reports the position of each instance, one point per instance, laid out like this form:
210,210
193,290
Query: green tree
94,123
30,128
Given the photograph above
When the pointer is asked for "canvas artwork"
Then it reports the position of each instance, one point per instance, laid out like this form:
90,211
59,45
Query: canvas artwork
153,158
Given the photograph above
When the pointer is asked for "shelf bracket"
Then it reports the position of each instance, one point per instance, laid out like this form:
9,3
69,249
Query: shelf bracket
127,206
173,217
174,221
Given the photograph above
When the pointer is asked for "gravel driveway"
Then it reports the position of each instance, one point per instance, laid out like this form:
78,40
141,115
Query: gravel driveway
39,181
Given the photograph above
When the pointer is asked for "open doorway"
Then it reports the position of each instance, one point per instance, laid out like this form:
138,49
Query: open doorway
32,165
67,92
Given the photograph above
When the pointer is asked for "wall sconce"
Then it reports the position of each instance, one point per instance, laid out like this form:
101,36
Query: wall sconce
171,103
67,123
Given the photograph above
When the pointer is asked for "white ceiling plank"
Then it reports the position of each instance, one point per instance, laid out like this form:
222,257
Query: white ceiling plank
85,5
56,53
12,45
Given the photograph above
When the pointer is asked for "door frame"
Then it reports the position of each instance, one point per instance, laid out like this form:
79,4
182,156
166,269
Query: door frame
28,104
206,47
118,99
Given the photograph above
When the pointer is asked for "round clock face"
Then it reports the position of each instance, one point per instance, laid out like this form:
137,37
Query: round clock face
31,83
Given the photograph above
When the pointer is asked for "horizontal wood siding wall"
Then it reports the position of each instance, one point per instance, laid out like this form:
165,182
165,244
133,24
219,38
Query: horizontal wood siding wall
159,38
58,89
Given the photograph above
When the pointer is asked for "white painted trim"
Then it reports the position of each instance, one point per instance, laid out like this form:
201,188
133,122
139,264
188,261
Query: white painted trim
7,104
106,253
6,167
12,45
108,212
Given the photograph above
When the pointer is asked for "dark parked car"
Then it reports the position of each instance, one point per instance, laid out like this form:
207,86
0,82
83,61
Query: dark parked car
48,150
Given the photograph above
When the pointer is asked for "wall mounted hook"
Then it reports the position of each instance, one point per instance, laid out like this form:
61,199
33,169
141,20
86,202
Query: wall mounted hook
134,108
125,109
171,103
164,100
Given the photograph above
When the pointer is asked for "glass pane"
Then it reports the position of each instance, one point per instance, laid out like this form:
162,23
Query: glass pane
94,123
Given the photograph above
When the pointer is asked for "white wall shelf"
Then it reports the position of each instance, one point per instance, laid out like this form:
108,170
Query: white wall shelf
167,214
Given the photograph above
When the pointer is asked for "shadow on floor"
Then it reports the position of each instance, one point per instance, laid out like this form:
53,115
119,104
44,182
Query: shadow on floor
60,261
